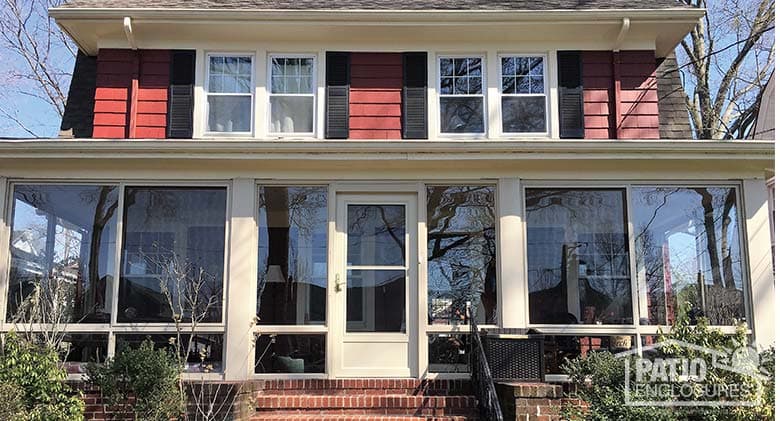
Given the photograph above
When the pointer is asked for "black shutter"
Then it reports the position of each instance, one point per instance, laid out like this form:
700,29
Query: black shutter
415,98
337,95
571,115
180,94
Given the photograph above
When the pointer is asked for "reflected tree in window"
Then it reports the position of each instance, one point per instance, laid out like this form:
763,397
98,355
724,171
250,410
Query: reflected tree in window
688,254
461,253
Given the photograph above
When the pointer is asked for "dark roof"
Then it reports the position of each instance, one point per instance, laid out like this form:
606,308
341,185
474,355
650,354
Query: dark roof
673,119
377,4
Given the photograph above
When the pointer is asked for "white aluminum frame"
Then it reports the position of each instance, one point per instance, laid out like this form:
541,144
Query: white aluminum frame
546,94
483,95
206,91
270,94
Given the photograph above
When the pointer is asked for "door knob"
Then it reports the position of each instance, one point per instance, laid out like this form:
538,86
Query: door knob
338,283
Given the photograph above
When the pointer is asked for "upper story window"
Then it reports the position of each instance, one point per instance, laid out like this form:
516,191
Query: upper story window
292,95
230,94
523,94
461,95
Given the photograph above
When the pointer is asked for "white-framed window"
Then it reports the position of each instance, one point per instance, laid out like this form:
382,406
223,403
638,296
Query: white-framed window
523,94
229,93
461,87
291,94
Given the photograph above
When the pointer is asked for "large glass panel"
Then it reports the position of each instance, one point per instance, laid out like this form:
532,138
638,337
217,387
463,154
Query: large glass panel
63,242
203,355
293,255
77,349
230,113
448,353
462,114
560,348
688,249
578,256
173,254
461,253
292,114
376,235
376,301
290,354
524,114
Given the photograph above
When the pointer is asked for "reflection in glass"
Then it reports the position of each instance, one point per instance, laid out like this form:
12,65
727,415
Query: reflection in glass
173,238
292,114
230,113
376,235
688,253
292,257
63,239
559,348
461,253
376,301
76,349
204,355
462,114
578,256
524,114
448,353
290,354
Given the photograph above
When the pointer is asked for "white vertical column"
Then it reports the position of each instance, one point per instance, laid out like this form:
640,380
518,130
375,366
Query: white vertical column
492,95
241,281
261,94
199,117
433,98
511,254
552,98
4,247
759,250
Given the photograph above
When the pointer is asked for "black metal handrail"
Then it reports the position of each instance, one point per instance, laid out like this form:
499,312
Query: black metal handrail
481,381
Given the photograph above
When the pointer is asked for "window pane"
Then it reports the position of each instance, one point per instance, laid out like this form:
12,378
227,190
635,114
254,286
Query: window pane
523,114
63,242
461,253
448,353
507,66
461,66
462,115
376,301
292,114
76,349
446,67
290,354
230,74
204,355
376,235
578,256
230,113
688,250
536,66
174,238
558,349
293,256
292,76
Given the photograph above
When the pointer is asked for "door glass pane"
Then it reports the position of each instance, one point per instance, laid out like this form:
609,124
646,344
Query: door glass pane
376,301
376,235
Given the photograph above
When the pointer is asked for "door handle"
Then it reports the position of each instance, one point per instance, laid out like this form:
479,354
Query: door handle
338,283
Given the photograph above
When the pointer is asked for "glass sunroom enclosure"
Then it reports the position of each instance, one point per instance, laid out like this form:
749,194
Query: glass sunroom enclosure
340,280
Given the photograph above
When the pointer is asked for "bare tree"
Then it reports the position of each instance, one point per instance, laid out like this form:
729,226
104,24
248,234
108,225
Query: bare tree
40,57
728,57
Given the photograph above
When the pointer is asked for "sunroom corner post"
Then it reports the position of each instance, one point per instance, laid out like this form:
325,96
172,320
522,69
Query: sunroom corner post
4,247
512,282
759,250
241,282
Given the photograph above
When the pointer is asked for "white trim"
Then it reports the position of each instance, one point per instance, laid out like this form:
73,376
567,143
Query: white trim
6,200
483,95
546,94
252,94
313,95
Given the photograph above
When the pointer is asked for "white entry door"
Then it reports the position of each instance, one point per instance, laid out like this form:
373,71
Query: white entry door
374,294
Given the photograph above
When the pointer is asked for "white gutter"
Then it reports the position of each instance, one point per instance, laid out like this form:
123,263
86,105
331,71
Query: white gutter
127,22
383,150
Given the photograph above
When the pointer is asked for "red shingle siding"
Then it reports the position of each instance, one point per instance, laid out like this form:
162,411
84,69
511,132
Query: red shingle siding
637,96
131,94
375,96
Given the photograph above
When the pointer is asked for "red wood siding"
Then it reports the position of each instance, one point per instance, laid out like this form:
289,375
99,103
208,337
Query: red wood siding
131,95
632,113
375,96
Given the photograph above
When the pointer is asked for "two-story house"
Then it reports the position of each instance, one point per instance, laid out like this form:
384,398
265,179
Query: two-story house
351,175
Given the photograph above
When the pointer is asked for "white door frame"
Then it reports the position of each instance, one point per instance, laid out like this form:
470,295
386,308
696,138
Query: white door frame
341,343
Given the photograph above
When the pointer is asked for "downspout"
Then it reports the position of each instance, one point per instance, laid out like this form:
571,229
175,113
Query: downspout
127,22
616,75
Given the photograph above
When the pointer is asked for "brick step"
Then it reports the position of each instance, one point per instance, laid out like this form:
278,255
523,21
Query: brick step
364,387
396,405
296,416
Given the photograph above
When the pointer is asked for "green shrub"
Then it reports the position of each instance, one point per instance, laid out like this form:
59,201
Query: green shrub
150,375
599,379
11,402
32,374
